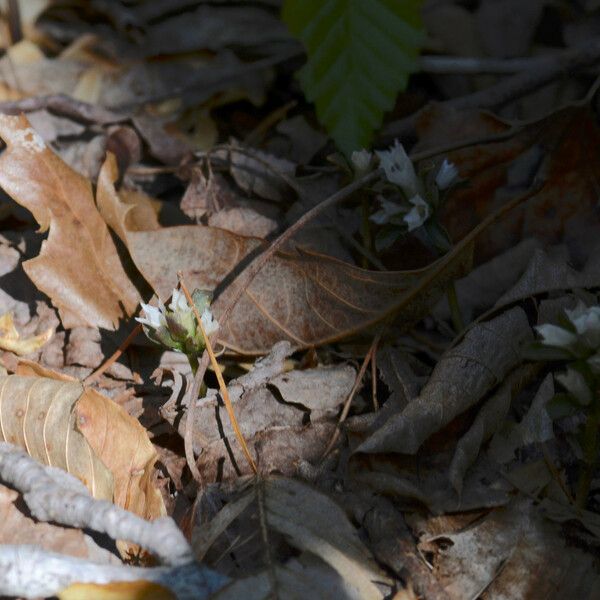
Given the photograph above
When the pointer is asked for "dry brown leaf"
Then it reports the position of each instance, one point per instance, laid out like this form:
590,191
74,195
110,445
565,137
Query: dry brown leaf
19,528
11,340
60,423
561,150
78,267
304,297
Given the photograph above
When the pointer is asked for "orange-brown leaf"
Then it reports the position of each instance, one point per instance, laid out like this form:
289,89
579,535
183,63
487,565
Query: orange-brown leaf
78,267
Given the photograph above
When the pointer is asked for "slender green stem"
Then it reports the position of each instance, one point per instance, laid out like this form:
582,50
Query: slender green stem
456,315
366,228
590,454
193,360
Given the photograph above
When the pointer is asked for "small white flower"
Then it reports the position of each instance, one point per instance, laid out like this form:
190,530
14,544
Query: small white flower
586,321
447,175
399,169
575,383
153,316
418,214
361,160
178,302
594,362
386,212
209,323
556,336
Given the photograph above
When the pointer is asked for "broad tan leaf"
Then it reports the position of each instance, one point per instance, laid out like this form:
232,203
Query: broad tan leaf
38,415
78,267
11,340
60,423
303,297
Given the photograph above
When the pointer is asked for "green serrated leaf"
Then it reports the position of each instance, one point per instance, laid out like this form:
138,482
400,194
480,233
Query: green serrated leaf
360,55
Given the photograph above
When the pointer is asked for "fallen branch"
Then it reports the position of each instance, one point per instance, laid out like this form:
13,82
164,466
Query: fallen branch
31,572
53,495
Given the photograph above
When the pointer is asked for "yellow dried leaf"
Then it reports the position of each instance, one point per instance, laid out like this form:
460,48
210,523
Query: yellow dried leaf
120,590
11,340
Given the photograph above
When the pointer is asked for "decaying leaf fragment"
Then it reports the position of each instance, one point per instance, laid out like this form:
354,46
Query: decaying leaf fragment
60,423
78,267
511,553
285,416
11,340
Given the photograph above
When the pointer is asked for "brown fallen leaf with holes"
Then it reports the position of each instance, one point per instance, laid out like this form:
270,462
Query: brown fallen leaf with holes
60,423
78,266
306,298
561,150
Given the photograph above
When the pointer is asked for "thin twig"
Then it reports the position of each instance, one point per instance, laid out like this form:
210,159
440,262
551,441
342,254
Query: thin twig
374,379
252,270
114,357
189,422
471,65
357,383
512,88
217,369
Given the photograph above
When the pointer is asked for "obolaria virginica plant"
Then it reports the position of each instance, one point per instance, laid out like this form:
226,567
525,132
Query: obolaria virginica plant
576,343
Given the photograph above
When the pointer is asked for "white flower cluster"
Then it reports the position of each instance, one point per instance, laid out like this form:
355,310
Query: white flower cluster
582,336
399,170
175,325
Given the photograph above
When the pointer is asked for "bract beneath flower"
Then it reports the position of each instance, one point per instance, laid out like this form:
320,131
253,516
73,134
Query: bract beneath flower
418,214
552,335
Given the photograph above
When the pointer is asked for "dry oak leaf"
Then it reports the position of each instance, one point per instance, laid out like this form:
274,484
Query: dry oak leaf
303,297
11,340
60,423
78,266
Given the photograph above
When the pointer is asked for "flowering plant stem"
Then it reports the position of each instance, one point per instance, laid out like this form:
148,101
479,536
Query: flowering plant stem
590,452
455,314
217,369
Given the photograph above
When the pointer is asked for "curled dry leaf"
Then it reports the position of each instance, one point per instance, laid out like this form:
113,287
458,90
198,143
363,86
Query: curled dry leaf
60,423
299,296
298,578
460,379
11,340
78,267
489,419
